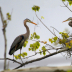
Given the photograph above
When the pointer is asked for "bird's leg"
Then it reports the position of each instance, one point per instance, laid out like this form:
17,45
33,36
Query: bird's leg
20,55
13,57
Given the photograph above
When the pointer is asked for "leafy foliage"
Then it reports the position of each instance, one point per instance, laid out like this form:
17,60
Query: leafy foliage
19,56
63,40
44,50
69,1
34,46
40,52
35,8
5,21
35,36
8,16
64,35
53,39
69,44
25,43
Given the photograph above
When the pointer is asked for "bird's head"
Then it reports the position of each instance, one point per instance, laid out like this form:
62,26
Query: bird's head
70,18
28,20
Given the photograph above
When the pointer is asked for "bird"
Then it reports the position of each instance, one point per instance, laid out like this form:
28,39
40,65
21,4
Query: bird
69,19
19,40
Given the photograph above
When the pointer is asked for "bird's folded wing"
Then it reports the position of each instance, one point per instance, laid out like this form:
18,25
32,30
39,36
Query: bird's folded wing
16,41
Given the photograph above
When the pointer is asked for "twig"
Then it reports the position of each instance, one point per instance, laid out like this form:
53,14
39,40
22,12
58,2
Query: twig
42,42
4,33
11,16
10,60
41,52
55,29
66,6
29,56
44,24
48,51
38,59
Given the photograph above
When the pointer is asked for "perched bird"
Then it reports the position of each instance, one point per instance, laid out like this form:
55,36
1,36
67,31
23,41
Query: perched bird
19,40
69,19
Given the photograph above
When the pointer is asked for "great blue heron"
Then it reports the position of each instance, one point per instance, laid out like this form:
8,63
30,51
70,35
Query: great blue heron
69,19
19,40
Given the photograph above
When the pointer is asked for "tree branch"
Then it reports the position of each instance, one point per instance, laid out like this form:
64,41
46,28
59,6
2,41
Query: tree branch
41,52
4,33
42,42
66,6
44,24
55,29
10,60
62,50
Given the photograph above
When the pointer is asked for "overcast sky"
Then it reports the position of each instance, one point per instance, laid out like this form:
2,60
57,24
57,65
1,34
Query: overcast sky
53,15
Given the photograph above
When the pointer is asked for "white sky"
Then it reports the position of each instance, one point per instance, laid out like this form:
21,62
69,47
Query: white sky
51,10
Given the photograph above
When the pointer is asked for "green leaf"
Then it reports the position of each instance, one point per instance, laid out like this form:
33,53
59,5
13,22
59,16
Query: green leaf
34,46
40,52
25,43
69,47
8,14
5,21
31,35
33,49
38,44
9,18
44,53
43,48
29,49
16,57
22,55
31,38
42,17
55,38
63,0
50,40
60,33
31,45
35,8
70,3
35,36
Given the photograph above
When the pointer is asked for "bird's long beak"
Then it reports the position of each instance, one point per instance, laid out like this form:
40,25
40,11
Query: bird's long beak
33,23
65,21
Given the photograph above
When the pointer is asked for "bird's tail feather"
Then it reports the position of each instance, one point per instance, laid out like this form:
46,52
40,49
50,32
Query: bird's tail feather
11,51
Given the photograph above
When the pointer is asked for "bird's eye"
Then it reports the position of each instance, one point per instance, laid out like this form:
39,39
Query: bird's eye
68,19
29,21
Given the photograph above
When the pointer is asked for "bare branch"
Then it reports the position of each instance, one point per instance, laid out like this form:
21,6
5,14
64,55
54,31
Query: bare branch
4,33
10,60
44,24
55,29
48,51
38,59
66,6
62,6
41,52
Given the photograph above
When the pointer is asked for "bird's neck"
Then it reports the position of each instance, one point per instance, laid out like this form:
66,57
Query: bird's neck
28,31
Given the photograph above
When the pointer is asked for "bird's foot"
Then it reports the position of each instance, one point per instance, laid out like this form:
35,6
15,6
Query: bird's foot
21,60
13,60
